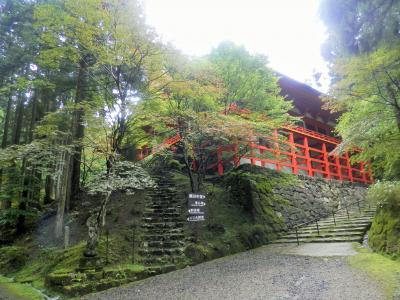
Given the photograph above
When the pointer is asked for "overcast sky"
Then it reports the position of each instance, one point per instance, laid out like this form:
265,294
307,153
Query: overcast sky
289,32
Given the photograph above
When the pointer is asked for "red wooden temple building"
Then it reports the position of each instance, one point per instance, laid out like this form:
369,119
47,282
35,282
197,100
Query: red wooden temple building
306,150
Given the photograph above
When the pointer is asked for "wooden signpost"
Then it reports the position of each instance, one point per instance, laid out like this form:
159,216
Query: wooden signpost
196,207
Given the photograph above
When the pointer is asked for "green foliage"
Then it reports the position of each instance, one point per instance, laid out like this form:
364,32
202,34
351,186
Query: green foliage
248,81
384,235
358,26
12,258
252,188
368,95
124,176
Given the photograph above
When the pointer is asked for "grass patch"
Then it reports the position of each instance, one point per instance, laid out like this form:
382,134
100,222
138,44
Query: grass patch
381,268
18,290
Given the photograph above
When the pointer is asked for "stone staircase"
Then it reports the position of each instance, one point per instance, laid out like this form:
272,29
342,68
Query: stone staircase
163,235
345,227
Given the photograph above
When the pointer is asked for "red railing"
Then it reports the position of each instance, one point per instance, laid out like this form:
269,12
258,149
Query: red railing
303,152
146,151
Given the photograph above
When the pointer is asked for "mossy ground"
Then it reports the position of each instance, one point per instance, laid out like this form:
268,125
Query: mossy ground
18,291
379,267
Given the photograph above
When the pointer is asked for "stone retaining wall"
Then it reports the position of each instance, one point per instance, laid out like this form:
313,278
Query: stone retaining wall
280,200
309,197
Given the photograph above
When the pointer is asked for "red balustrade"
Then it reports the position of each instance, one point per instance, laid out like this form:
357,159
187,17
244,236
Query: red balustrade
303,152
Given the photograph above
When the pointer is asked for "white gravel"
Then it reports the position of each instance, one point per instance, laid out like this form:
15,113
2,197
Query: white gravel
257,274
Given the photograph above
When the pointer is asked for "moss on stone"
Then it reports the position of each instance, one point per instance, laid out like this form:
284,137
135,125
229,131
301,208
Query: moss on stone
384,235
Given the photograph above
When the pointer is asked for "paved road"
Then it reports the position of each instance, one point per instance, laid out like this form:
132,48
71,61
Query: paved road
262,273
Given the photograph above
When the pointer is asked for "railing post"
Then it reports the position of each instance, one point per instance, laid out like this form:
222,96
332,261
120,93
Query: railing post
297,237
317,226
293,152
350,171
307,155
334,220
347,211
359,208
278,153
326,162
339,167
219,161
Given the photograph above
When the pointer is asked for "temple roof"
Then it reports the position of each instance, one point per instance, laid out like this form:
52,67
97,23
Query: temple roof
305,98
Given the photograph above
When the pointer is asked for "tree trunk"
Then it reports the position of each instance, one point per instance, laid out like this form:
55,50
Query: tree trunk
5,203
188,166
78,131
94,223
61,192
18,120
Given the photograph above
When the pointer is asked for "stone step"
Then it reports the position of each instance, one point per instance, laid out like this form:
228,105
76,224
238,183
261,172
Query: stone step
161,251
165,244
154,270
163,231
329,223
320,240
163,225
330,229
161,214
163,206
160,219
325,234
161,260
164,237
162,210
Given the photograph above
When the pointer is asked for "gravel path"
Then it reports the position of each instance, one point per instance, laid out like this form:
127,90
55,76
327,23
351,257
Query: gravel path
258,274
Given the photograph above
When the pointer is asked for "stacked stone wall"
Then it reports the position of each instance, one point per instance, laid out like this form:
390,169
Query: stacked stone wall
280,200
309,197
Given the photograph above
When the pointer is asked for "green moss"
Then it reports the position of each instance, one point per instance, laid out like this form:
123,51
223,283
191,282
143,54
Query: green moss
12,258
18,291
384,235
383,269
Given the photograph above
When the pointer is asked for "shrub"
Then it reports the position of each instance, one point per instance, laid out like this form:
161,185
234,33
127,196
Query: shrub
12,259
384,235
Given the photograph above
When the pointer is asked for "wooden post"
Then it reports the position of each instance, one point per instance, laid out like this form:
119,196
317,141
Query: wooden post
326,162
278,153
339,167
307,155
220,167
293,152
236,161
252,160
348,165
363,173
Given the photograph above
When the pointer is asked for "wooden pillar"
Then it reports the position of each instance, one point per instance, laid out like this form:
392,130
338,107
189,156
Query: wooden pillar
220,167
252,160
348,165
339,167
307,155
363,173
326,162
293,152
236,160
277,151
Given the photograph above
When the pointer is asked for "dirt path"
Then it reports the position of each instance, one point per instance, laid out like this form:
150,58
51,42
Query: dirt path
262,273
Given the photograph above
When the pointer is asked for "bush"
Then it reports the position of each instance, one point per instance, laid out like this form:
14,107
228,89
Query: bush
384,235
197,253
253,236
12,259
